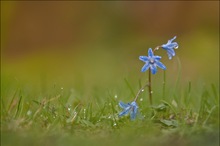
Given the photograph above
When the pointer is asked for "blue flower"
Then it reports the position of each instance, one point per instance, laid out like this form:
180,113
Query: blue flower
170,46
151,62
131,108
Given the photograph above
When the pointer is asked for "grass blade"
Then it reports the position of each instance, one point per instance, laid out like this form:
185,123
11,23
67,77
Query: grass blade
19,107
130,88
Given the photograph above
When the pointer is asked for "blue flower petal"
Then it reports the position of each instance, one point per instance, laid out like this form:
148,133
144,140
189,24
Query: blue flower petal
170,41
134,109
124,112
134,104
175,45
170,53
150,52
153,69
132,114
164,46
157,57
145,67
161,65
172,46
123,105
143,58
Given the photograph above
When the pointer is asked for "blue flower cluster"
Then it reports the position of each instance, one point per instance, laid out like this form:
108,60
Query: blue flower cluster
151,62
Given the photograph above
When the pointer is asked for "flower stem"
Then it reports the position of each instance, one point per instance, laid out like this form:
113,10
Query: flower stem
149,87
141,90
164,83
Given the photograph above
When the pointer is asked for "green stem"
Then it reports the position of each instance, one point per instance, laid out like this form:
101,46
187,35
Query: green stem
141,90
164,83
149,87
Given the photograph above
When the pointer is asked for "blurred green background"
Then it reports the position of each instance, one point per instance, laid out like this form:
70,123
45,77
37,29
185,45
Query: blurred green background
83,45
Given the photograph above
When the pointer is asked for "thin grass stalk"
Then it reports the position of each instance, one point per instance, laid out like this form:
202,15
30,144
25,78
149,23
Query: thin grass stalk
149,87
164,84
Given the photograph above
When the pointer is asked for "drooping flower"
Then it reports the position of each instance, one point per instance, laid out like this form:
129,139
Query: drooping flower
170,46
151,62
131,108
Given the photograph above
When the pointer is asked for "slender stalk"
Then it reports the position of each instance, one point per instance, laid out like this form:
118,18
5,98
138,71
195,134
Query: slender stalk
136,97
149,87
164,83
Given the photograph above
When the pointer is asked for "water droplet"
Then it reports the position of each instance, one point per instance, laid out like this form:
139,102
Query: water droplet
176,47
174,103
114,124
151,92
109,104
142,90
109,117
61,88
29,112
84,113
157,48
141,99
116,96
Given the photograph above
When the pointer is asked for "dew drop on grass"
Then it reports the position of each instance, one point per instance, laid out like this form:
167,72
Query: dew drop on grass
84,113
174,103
151,92
141,99
61,88
142,90
69,109
29,112
116,96
114,124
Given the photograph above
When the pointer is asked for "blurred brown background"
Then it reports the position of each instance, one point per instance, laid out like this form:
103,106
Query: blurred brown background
99,42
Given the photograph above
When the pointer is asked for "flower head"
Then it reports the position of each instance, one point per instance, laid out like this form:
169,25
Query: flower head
151,62
170,46
131,108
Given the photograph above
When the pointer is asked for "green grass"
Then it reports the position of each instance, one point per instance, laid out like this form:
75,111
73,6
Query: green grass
63,116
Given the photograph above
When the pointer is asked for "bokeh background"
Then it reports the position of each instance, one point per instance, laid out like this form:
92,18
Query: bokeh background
97,44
